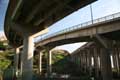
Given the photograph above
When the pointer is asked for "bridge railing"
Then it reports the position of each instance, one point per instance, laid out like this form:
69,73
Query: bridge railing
83,25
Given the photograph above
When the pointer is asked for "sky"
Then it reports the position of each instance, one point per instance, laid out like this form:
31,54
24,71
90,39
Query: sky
100,8
3,7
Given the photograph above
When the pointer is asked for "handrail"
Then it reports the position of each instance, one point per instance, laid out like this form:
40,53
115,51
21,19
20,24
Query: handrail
83,25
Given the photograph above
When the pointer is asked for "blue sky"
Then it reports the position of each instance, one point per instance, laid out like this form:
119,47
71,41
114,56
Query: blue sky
100,8
3,5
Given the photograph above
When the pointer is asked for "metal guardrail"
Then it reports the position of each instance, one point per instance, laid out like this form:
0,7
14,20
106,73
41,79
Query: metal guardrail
83,25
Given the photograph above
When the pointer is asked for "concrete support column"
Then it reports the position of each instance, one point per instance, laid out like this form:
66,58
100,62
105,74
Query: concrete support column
21,62
96,63
106,65
118,57
85,60
49,63
105,58
16,60
99,65
89,61
80,60
27,58
40,63
114,60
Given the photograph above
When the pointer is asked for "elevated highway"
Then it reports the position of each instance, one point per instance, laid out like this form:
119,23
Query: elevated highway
107,27
89,58
31,16
101,31
25,19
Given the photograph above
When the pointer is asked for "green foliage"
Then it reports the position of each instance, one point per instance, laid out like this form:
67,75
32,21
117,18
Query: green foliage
6,57
4,63
56,57
2,46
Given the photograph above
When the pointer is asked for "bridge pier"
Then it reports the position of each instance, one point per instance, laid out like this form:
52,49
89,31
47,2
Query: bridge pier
85,53
82,60
116,60
95,55
16,60
118,51
106,65
49,63
27,58
89,61
84,65
118,56
106,68
40,63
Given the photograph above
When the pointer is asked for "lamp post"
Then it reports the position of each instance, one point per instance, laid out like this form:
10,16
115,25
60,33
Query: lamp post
91,11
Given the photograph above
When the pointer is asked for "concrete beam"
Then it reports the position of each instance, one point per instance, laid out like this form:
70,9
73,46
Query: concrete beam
18,7
34,11
58,7
45,31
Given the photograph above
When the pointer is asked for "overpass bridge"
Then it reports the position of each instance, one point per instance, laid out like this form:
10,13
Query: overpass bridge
26,18
102,31
107,27
89,59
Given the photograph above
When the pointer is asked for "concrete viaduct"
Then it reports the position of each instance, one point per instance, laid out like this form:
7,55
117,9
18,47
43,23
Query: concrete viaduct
90,59
25,19
103,31
107,27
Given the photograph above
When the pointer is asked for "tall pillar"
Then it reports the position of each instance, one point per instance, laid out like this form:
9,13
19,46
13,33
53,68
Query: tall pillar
117,60
27,58
105,57
96,63
81,61
49,63
16,60
114,61
82,58
40,63
118,56
89,61
99,64
106,65
85,52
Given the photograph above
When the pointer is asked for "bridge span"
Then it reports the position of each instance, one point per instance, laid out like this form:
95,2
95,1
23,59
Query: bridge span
89,59
107,27
103,31
25,19
23,24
